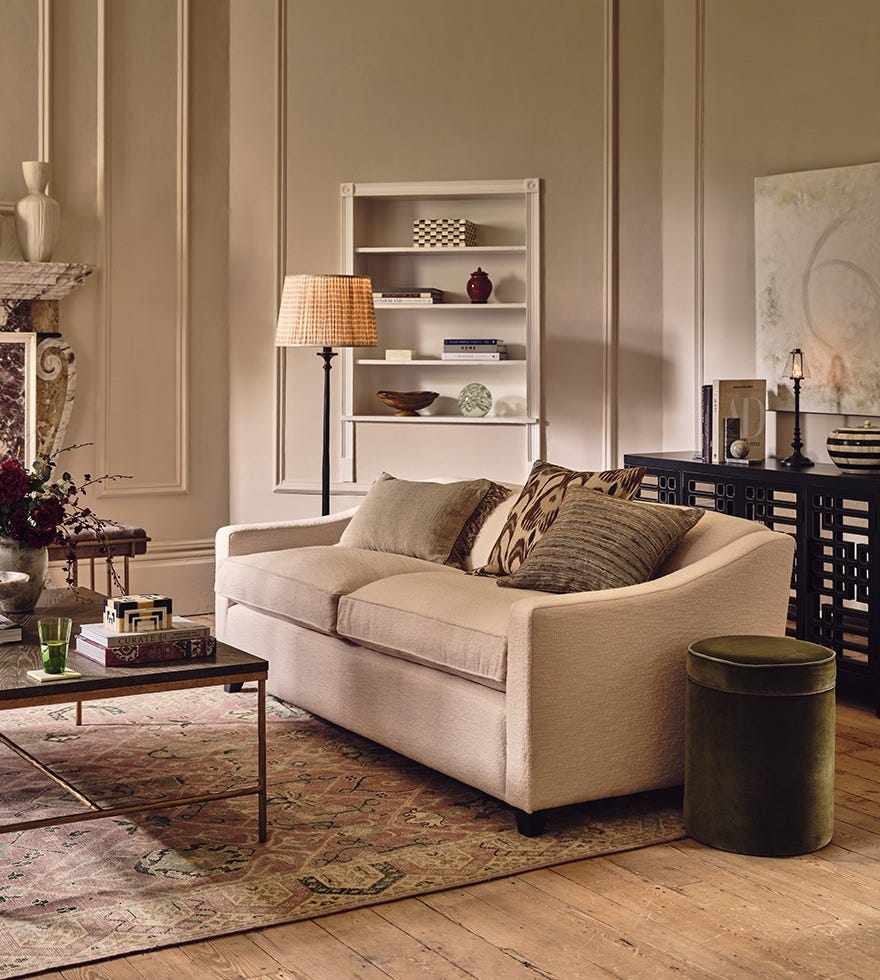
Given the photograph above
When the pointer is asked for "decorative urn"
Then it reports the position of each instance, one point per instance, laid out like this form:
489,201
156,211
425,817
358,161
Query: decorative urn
479,286
856,450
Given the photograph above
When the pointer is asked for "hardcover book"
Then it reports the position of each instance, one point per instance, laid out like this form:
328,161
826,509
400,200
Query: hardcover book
135,654
706,423
500,355
745,400
10,632
181,629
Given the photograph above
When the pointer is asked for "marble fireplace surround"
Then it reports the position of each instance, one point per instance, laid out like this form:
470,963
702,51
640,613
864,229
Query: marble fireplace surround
29,295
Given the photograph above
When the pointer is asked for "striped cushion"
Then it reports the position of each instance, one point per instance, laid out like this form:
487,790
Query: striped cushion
602,542
538,504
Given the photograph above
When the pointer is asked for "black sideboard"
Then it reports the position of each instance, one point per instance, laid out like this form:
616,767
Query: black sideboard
834,518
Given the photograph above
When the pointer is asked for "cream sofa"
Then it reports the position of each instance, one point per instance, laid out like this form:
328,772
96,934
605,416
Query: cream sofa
537,699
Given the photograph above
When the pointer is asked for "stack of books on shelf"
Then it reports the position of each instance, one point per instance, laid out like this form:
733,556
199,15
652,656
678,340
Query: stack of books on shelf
113,643
408,295
470,349
9,632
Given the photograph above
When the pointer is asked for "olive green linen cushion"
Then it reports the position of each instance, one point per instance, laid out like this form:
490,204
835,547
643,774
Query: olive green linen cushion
759,767
601,542
434,521
538,504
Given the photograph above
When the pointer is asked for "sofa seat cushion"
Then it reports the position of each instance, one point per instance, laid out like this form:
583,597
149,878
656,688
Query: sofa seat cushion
452,622
304,584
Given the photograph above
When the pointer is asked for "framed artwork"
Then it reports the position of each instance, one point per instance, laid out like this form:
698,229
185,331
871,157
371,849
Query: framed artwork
18,396
817,286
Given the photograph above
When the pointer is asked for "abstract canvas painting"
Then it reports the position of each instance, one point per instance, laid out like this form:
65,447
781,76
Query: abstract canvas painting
18,384
817,286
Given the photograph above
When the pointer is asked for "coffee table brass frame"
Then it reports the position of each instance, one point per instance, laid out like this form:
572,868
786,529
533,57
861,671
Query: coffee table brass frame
229,666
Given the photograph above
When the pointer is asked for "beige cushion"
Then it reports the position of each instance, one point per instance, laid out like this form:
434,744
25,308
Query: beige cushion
454,623
538,504
434,521
304,584
601,542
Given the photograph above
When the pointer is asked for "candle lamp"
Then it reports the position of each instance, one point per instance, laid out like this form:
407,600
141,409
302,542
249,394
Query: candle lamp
796,370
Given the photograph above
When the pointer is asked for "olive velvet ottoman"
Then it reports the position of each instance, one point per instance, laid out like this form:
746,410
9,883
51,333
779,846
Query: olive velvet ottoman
759,744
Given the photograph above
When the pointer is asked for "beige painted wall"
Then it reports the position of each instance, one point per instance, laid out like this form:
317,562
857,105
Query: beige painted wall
391,91
788,85
149,326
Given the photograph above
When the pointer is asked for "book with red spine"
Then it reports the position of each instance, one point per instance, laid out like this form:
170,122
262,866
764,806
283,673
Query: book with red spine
137,654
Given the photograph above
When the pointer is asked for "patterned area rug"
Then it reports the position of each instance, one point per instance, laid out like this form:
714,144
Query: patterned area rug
350,824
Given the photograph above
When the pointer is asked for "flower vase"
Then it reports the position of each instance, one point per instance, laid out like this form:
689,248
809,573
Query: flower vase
37,216
17,557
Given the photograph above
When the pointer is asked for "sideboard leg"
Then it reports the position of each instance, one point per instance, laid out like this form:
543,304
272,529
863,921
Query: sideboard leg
530,824
233,688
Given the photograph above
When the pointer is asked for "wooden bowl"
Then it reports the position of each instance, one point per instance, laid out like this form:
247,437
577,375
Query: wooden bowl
406,402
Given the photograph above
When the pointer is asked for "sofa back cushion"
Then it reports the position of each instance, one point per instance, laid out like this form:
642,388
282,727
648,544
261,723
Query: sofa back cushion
536,508
434,521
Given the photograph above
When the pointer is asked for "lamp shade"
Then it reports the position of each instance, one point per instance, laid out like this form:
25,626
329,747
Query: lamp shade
326,311
796,366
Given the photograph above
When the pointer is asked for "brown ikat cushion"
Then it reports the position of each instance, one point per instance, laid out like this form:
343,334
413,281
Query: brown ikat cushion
434,521
538,504
601,542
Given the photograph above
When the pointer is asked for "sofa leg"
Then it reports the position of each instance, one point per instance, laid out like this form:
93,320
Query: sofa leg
233,688
530,824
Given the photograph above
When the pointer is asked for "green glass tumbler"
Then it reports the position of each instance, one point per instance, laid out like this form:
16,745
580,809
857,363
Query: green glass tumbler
54,640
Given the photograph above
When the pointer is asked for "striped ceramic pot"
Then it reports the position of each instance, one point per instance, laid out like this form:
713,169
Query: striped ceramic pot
856,450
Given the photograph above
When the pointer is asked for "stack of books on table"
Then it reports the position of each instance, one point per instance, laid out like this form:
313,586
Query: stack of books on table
408,295
183,640
9,632
474,350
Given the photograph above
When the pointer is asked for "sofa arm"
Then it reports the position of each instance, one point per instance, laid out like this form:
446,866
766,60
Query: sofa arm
246,539
595,681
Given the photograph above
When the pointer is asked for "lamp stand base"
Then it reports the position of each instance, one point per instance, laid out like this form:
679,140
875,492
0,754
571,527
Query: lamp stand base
796,461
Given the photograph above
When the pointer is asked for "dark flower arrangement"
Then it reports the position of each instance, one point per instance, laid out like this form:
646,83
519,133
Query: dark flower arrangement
39,508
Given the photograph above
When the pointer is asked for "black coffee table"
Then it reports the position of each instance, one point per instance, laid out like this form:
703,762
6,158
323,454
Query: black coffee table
17,690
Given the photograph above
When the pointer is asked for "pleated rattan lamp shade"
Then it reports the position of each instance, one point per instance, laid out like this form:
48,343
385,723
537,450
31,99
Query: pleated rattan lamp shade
326,311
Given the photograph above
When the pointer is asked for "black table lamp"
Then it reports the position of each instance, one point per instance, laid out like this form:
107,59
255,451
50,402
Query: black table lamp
326,312
796,371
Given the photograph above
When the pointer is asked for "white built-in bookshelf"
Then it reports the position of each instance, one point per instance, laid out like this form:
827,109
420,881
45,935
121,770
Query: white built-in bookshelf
377,221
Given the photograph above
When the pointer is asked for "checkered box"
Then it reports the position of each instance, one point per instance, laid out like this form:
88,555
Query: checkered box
451,232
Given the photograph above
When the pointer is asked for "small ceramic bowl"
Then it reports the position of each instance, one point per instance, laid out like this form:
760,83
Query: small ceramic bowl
11,583
406,402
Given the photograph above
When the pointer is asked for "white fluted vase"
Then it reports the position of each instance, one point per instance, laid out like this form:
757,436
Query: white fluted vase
37,216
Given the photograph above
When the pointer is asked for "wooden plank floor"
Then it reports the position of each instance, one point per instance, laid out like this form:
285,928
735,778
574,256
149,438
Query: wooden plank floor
679,909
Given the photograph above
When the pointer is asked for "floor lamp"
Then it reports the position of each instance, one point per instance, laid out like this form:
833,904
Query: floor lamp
326,312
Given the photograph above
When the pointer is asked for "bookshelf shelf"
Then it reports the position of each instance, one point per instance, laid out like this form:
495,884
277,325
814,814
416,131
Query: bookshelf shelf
437,362
444,419
448,307
436,250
